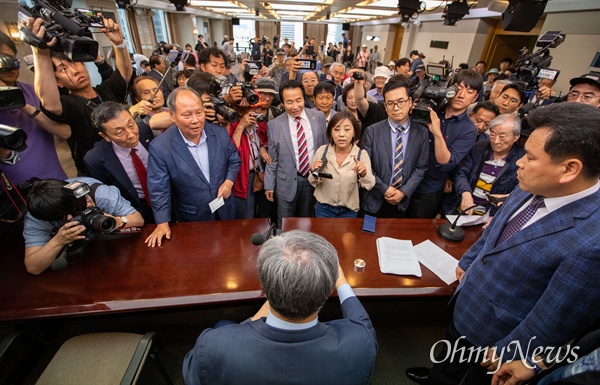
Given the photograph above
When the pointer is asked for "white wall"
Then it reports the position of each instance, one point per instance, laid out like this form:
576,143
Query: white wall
386,32
461,39
574,55
218,29
184,29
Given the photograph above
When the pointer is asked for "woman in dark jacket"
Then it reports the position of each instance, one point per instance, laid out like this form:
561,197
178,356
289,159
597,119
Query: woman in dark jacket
490,167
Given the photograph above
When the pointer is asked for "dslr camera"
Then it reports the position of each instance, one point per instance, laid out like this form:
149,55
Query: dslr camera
70,28
219,104
91,217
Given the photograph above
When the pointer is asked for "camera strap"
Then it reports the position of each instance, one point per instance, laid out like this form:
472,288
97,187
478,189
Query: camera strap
15,204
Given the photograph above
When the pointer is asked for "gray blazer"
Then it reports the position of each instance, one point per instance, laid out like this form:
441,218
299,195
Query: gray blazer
281,175
377,142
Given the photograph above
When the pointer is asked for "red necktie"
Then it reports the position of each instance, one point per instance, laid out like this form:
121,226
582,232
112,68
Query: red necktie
303,166
140,169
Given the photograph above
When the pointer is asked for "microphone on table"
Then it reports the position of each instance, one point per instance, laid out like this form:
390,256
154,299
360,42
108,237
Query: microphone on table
452,232
61,262
259,239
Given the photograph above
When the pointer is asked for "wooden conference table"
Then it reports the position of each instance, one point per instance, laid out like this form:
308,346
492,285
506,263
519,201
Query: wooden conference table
203,263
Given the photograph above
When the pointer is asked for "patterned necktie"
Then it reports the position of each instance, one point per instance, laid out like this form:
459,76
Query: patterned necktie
140,169
303,166
398,160
521,219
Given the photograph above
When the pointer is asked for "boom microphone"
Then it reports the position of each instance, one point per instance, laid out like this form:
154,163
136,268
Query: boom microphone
259,239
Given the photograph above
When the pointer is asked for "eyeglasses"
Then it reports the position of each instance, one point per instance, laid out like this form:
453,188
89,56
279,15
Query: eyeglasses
398,103
575,95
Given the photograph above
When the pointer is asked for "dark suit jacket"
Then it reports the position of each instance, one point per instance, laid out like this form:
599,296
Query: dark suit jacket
542,282
467,173
337,352
173,172
103,164
281,174
376,140
165,86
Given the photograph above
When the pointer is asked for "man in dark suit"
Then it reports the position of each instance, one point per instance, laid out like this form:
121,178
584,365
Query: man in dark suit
121,158
158,68
530,283
190,165
285,342
293,139
399,151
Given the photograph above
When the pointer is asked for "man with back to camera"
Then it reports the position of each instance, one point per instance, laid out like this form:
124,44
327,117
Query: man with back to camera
50,208
39,159
293,139
76,108
191,164
399,151
416,61
532,277
451,136
285,340
121,159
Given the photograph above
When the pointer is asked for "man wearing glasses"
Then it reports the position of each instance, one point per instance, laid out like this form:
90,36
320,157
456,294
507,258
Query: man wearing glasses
585,89
399,152
451,136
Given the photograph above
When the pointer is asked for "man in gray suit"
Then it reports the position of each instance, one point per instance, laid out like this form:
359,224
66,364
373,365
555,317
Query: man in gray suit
398,148
293,139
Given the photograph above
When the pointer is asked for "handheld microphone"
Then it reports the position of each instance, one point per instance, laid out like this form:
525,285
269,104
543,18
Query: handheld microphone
61,262
452,232
258,238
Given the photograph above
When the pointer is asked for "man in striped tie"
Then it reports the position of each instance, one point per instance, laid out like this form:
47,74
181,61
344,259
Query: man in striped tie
293,138
530,283
398,148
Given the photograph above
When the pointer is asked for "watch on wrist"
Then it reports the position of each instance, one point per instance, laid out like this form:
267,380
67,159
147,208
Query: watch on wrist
124,220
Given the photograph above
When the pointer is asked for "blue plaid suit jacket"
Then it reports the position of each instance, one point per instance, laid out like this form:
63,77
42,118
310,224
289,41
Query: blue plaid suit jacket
543,282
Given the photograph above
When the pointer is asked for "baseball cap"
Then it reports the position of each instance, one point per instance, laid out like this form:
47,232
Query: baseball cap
327,61
280,51
266,85
364,46
382,71
493,71
592,78
420,67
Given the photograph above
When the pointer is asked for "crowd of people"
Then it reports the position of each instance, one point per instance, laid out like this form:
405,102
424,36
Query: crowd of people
222,136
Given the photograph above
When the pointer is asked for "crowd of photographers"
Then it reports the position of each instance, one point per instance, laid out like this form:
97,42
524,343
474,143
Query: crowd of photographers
211,134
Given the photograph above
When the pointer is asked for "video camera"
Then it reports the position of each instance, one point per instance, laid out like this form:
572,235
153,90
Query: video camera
531,66
433,92
11,138
71,29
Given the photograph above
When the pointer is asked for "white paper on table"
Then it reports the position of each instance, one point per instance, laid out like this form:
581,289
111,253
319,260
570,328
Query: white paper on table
397,257
469,220
215,204
437,260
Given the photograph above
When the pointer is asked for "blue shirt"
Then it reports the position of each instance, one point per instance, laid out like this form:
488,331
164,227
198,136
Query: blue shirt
404,128
344,292
459,133
199,153
107,198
